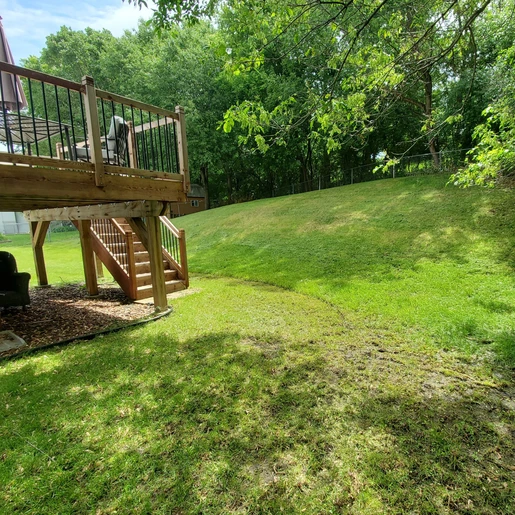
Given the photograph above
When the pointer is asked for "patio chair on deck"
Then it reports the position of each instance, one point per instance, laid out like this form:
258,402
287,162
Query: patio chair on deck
116,143
14,286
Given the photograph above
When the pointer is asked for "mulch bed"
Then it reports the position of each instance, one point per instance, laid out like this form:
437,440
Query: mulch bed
64,312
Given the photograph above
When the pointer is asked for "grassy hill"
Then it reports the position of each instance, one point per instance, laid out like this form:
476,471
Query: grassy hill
348,351
410,252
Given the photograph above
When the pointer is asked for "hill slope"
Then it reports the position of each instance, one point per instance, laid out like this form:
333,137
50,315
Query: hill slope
409,252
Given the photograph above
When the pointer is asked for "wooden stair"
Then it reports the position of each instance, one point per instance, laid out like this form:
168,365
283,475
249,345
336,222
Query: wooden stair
126,257
143,275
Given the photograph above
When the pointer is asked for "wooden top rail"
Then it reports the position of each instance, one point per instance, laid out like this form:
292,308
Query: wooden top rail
155,124
51,162
75,86
112,97
118,227
43,77
169,225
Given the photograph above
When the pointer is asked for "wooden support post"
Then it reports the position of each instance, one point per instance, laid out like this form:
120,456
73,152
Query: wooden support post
184,257
88,258
156,263
100,269
95,144
183,148
38,232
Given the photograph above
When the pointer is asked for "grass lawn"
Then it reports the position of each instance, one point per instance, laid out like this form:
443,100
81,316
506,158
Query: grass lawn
63,257
359,360
405,254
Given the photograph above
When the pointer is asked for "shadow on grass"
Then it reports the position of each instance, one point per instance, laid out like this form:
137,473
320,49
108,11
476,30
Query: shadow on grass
226,423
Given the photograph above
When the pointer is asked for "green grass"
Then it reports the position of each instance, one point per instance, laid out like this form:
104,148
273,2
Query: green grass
63,257
329,396
253,399
405,253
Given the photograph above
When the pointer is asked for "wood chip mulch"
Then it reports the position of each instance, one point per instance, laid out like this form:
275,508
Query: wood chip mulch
60,313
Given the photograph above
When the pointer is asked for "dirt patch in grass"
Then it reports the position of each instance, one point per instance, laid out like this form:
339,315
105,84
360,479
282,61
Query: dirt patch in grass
60,313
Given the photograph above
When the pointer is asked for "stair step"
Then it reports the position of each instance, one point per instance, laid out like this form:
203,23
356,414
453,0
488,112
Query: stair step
146,278
144,267
144,292
115,248
141,257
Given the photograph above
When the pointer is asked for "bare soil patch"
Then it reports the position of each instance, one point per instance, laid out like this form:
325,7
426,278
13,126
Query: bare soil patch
65,312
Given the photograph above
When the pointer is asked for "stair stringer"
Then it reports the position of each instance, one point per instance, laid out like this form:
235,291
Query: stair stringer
127,283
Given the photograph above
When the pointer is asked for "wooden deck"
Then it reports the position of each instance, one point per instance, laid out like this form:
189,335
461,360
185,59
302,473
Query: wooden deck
78,166
31,181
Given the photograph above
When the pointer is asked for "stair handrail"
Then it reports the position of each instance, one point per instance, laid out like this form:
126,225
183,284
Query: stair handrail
174,248
127,263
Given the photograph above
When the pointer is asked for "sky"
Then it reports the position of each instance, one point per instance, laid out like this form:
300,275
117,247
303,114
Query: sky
27,23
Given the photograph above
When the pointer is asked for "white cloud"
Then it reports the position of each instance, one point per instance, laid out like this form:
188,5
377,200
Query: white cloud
28,23
118,20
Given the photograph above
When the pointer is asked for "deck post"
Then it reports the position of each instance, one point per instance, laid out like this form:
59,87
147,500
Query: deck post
156,263
88,257
184,257
38,232
95,144
182,145
100,270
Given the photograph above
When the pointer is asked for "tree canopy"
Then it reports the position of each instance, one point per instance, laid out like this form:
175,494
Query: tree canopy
281,93
358,61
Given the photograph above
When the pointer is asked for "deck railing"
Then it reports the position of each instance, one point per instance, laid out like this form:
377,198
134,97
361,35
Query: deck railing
119,245
89,129
174,248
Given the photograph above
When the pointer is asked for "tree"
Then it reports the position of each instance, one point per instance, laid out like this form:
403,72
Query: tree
363,56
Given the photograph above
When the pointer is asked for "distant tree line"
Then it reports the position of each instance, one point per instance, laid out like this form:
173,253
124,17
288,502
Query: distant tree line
279,93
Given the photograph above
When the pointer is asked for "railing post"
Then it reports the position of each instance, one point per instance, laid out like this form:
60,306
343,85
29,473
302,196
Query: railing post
95,143
184,256
183,148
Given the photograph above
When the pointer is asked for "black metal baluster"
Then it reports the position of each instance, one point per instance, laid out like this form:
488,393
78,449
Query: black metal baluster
84,126
143,141
10,147
19,116
46,119
105,130
33,117
160,143
115,135
177,169
126,136
136,148
72,153
151,141
167,146
59,117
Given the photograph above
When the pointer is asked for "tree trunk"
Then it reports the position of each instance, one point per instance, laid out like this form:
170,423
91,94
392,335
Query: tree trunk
229,188
204,180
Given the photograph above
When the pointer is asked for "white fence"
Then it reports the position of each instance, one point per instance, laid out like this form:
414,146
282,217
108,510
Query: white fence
13,223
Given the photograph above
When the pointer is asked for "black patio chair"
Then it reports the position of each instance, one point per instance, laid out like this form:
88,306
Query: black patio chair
14,286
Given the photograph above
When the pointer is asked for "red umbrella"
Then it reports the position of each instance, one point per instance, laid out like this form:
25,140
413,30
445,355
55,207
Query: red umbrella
12,96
